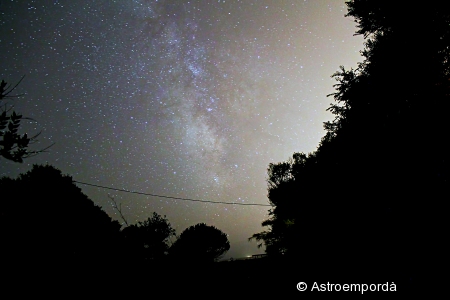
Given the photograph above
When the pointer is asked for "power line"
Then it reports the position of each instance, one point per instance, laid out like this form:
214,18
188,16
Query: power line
168,197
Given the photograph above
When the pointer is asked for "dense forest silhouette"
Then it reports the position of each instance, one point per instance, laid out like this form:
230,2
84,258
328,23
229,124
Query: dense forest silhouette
371,196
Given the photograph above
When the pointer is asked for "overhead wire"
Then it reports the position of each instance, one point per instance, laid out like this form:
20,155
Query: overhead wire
169,197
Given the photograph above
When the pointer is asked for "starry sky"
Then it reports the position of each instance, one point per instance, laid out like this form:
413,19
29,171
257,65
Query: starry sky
182,98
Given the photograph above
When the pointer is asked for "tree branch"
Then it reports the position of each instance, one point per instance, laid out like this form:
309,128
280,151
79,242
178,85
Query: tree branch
119,209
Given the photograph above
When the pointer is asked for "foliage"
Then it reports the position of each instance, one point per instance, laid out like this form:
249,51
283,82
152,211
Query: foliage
13,146
149,240
362,191
200,243
45,218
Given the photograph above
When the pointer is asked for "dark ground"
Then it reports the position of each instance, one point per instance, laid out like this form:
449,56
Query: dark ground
262,277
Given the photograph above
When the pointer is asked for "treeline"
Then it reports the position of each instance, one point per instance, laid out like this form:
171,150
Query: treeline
372,196
47,222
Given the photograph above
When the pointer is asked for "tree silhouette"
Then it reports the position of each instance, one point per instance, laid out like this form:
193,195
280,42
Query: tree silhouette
149,240
46,219
362,193
13,146
200,243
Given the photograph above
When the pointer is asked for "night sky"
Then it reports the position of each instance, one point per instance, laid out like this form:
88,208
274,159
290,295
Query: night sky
180,98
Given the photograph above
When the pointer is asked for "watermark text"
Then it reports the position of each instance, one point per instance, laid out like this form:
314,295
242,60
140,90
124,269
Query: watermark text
347,287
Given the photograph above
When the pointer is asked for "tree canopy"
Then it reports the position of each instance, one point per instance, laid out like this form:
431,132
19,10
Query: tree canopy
149,240
374,185
44,217
200,243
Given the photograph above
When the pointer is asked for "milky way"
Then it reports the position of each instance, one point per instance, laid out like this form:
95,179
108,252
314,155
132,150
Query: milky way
189,99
